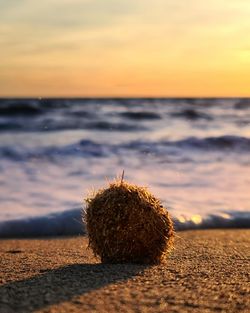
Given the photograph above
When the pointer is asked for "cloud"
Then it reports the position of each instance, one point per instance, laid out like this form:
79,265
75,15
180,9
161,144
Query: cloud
64,14
37,27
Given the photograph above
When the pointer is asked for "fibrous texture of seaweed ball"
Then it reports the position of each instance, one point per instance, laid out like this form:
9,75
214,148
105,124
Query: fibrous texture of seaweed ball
127,224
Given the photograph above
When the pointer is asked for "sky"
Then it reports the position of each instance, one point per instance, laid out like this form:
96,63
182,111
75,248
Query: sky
119,48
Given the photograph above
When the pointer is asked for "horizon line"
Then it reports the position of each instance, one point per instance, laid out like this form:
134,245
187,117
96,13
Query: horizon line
123,97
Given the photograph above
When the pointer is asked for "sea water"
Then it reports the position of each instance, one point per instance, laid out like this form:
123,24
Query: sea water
193,154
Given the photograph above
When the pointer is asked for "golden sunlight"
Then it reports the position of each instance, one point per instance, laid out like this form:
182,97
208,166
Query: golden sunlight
132,48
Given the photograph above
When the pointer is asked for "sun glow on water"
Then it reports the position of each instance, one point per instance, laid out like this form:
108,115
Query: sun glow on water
197,219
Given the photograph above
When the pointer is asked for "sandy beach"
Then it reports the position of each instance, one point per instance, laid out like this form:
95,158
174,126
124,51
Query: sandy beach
207,272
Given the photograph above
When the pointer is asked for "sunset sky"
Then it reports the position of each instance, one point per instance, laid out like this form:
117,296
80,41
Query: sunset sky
124,48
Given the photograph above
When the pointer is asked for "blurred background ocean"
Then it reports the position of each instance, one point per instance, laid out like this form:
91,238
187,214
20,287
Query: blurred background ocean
194,154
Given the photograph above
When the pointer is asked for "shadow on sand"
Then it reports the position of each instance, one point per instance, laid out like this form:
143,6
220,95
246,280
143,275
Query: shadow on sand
62,284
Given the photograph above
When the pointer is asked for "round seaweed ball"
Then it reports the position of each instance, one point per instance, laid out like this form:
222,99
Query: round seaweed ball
127,224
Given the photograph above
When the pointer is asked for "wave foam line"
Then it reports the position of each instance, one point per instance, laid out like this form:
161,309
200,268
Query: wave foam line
69,223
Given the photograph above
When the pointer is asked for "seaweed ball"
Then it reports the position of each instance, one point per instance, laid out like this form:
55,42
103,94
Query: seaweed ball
127,224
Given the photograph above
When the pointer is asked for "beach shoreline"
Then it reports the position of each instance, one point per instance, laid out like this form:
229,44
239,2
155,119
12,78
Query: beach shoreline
208,271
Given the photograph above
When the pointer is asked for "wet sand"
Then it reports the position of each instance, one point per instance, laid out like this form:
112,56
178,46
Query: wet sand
207,272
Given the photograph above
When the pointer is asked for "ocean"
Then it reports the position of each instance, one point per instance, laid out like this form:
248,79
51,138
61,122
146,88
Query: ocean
193,154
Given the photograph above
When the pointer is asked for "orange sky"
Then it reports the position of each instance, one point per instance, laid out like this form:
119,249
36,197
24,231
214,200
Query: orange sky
125,48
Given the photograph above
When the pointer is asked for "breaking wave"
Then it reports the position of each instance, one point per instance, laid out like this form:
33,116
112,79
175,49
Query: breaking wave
92,148
69,223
